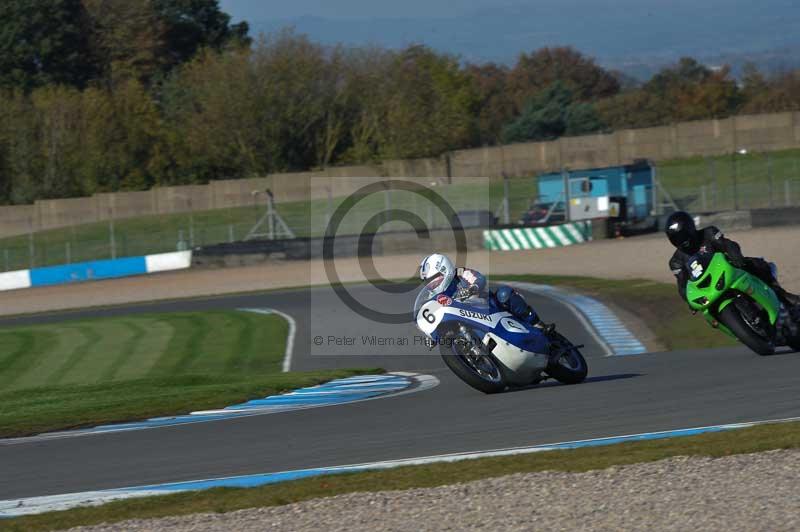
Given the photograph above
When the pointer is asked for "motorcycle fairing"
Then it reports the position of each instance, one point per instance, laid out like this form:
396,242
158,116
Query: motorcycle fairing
721,280
482,319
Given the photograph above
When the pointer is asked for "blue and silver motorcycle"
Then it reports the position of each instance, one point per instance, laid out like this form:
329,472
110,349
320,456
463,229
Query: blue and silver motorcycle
489,349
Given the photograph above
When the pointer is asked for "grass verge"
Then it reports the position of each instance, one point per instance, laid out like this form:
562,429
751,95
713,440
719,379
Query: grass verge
656,304
92,371
750,440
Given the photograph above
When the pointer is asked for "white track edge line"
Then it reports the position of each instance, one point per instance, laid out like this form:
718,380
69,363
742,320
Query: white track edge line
287,355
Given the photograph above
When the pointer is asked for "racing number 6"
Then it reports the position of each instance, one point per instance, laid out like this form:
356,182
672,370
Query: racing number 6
430,318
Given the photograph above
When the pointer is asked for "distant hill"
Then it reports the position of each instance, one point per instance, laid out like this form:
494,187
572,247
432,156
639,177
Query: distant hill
634,35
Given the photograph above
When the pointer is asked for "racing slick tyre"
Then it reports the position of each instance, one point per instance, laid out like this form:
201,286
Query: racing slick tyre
567,364
479,371
732,319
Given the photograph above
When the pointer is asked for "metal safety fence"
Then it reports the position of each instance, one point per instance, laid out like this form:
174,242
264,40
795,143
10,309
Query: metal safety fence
742,180
475,203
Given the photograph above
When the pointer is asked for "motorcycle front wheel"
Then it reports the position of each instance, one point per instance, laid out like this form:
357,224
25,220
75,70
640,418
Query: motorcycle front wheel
733,320
479,371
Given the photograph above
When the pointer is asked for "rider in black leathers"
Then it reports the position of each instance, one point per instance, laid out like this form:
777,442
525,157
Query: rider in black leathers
689,240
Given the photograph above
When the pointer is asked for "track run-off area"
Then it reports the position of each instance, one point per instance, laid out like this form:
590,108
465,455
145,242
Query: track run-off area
633,394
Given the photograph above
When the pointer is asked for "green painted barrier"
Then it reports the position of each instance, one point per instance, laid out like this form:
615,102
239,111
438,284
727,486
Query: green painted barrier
552,236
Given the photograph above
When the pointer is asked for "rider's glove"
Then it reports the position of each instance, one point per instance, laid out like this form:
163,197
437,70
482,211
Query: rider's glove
736,262
464,293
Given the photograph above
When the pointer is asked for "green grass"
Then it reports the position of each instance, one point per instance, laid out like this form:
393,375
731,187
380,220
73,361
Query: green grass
750,440
657,304
91,371
707,183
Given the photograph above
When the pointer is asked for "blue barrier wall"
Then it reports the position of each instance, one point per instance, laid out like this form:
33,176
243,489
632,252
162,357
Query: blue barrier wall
85,271
99,269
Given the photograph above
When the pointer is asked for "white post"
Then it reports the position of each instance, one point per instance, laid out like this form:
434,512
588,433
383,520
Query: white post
329,214
191,224
112,241
506,209
787,191
270,218
31,250
769,177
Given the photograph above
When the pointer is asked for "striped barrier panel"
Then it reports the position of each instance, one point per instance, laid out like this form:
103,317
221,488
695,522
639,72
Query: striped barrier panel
551,236
94,270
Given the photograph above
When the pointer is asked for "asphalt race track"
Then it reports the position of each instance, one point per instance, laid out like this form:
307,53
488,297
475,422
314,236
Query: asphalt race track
623,395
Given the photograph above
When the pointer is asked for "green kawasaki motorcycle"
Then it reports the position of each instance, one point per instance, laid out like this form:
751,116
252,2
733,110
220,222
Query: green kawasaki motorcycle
739,304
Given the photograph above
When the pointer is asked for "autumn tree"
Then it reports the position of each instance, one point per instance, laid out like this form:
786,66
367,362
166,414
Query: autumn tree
717,96
495,104
300,91
19,134
123,137
284,105
430,108
688,71
369,73
130,39
536,71
215,126
754,83
5,169
57,119
685,91
695,92
781,92
633,109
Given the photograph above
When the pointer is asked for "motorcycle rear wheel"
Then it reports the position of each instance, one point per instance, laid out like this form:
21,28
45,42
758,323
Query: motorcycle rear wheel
569,367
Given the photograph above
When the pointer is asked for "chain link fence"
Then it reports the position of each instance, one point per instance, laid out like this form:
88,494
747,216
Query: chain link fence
506,201
740,181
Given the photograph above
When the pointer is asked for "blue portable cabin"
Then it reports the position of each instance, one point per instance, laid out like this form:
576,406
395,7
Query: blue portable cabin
629,186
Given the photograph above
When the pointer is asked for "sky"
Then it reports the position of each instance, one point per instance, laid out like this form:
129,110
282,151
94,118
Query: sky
635,36
337,9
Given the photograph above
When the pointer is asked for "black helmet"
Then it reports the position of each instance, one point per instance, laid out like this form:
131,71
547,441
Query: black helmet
682,232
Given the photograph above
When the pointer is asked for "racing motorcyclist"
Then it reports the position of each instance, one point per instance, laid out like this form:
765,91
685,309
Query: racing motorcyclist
684,235
444,278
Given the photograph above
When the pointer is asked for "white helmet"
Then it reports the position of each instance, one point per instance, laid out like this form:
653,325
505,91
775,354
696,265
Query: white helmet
438,271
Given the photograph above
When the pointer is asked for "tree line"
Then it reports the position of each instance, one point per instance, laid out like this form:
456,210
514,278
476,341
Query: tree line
106,95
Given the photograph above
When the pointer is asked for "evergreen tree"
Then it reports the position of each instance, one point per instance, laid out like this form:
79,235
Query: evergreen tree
45,42
195,24
552,114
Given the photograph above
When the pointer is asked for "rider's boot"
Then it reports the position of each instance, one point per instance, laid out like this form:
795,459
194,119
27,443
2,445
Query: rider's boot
790,301
534,320
787,298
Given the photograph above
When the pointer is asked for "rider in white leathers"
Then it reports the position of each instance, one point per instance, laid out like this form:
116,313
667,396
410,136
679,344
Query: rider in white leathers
442,277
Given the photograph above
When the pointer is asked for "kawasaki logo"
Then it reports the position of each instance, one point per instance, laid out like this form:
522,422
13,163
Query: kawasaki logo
475,315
